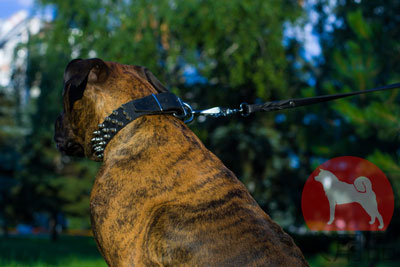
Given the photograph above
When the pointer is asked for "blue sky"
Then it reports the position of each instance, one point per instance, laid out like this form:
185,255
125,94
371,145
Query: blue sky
9,7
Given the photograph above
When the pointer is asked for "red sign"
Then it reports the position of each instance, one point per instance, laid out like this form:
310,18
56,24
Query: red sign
347,193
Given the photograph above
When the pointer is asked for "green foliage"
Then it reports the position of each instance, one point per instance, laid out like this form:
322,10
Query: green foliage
358,25
70,251
236,47
47,181
360,54
12,133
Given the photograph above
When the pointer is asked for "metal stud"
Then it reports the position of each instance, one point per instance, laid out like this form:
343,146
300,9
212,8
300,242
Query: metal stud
115,112
102,143
106,130
107,136
96,132
100,156
128,118
96,139
114,121
120,123
124,112
113,130
98,148
107,119
101,125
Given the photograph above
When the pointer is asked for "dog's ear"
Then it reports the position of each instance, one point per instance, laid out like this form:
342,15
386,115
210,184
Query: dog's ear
78,72
149,76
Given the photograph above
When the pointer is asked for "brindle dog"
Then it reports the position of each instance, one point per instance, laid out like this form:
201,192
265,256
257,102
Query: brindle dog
161,198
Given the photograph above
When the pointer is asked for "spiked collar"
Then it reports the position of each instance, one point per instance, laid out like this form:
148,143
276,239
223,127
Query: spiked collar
163,103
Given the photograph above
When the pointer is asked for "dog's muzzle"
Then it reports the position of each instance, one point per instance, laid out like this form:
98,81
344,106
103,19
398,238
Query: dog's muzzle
65,144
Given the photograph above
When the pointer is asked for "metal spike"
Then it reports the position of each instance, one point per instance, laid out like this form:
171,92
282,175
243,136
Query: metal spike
95,145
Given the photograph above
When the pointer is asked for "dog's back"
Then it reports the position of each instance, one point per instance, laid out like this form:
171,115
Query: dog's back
164,199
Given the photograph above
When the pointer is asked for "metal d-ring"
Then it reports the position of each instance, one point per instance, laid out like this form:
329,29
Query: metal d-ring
187,112
190,112
244,109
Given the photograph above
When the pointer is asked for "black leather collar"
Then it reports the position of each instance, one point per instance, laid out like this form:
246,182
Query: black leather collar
163,103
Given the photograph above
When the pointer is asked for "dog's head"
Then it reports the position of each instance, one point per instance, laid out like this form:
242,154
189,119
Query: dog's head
92,90
326,178
320,176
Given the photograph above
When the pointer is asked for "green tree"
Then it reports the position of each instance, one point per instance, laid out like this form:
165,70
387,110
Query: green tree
360,51
49,183
358,55
12,133
236,50
8,156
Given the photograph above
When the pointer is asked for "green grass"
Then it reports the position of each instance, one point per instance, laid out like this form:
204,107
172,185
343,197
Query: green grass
68,251
78,251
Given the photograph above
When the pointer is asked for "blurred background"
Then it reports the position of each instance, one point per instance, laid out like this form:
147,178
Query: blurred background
210,53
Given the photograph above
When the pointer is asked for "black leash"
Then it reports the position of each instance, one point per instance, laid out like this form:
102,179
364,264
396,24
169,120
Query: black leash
168,103
293,103
246,109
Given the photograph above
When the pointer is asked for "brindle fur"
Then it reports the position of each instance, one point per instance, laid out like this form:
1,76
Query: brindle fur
161,198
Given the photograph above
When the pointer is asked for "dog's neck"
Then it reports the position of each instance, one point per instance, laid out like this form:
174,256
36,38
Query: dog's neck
152,132
158,139
163,103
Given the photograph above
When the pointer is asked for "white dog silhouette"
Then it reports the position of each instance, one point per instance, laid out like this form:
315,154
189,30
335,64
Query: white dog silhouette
339,192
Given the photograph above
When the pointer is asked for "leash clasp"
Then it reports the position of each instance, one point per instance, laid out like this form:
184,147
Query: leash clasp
225,112
217,112
188,112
